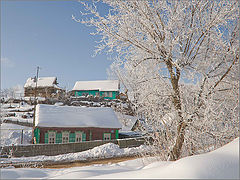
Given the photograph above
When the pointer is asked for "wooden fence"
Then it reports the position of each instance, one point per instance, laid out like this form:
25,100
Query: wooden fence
56,149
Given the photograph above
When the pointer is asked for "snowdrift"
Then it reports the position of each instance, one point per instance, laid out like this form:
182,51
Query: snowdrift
222,163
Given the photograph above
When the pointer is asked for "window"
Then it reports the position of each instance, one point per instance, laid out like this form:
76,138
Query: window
65,137
105,94
106,136
51,137
78,137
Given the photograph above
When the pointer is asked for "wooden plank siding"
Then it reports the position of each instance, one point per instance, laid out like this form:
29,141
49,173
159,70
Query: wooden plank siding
47,92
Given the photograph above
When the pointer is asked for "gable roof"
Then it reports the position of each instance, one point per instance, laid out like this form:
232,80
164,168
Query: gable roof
127,121
72,116
105,85
42,82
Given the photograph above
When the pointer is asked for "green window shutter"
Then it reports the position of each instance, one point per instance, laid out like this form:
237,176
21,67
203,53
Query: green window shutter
72,137
58,137
37,135
83,136
46,138
116,134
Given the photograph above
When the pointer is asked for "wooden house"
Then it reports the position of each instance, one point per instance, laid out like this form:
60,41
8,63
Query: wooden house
64,124
108,89
47,87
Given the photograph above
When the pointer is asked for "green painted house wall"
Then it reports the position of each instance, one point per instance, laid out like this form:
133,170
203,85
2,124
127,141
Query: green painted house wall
90,92
96,92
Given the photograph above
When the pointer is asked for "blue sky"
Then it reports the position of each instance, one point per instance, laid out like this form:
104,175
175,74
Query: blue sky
42,33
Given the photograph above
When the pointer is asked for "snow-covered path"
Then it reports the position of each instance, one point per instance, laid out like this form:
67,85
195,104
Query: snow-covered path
219,164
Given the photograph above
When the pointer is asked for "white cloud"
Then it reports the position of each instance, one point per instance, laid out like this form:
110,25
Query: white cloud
6,62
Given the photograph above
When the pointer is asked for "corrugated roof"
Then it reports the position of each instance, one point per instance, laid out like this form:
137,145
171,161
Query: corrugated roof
105,85
72,116
42,82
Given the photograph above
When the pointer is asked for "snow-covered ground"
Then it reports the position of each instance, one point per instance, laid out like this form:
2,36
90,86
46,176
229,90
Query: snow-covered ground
21,112
16,107
108,150
11,134
222,163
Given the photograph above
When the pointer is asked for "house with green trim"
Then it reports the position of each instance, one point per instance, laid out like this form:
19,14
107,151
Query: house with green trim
66,124
108,89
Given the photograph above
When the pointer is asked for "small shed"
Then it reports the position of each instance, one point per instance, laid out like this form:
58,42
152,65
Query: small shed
64,124
47,87
108,89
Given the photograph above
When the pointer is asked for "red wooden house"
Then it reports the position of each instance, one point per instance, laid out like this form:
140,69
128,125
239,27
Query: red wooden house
64,124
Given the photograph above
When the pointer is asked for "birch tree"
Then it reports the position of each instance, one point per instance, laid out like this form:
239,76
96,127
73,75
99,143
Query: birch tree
179,62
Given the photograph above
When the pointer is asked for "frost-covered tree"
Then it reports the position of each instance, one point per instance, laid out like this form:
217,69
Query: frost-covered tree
178,61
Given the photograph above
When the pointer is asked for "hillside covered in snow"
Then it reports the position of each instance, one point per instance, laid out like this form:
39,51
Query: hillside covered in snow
222,163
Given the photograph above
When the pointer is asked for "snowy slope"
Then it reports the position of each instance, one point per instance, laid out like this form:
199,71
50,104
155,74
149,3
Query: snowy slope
11,134
219,164
222,163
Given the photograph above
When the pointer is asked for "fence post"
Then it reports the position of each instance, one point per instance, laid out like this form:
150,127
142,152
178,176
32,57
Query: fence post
22,137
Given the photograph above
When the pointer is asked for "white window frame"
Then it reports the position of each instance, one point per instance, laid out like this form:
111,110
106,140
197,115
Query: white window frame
107,136
110,94
51,137
105,94
65,137
78,137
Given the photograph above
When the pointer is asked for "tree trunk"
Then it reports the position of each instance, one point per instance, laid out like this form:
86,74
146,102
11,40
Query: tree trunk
176,151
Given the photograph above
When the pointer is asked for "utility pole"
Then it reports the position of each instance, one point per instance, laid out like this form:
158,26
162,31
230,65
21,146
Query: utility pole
35,98
22,137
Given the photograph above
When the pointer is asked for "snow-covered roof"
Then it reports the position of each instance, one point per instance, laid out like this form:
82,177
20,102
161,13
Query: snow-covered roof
72,116
126,121
42,82
105,85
